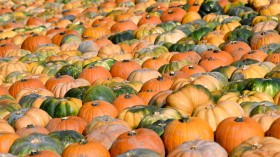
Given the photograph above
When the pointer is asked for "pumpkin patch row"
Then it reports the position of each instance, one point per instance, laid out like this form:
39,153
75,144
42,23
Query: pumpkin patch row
139,78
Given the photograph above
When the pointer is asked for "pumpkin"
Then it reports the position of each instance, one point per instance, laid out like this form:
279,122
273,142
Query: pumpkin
58,78
81,149
25,83
127,100
8,106
123,68
185,101
246,127
133,115
7,139
42,153
92,109
199,130
24,145
103,120
139,138
140,152
208,112
99,92
32,42
61,107
198,148
30,128
252,108
5,127
92,74
256,145
266,119
61,89
246,95
106,134
264,38
66,137
67,123
26,116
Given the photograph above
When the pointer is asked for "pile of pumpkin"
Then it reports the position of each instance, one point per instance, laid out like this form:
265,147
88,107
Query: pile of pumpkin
149,78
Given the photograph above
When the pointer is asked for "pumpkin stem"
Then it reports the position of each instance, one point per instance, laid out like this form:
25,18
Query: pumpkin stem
195,3
210,106
29,126
62,33
132,133
125,61
185,119
127,96
34,152
23,80
58,75
83,141
193,148
191,67
251,52
216,51
3,45
256,146
239,119
95,104
154,58
172,73
263,33
232,42
64,118
160,78
170,11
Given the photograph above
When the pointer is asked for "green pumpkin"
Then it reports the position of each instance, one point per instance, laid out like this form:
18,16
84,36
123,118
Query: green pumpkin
238,10
271,48
210,6
8,106
121,36
139,111
212,25
66,137
169,25
226,70
7,97
177,47
15,76
140,152
69,38
203,47
269,86
33,58
35,141
240,63
197,34
186,28
61,107
77,27
71,70
238,85
28,100
253,108
151,51
123,89
52,67
239,34
173,66
99,92
274,73
198,23
78,92
159,126
106,63
160,114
